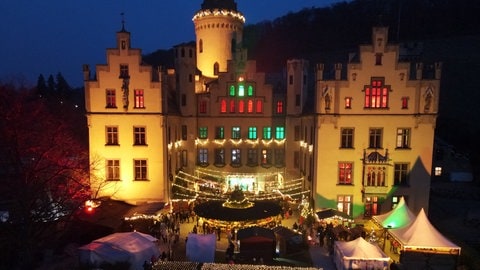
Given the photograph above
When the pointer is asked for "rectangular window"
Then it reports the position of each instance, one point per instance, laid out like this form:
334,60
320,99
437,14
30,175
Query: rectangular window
266,157
219,133
236,158
279,133
113,170
111,98
267,133
403,138
378,59
279,108
344,204
252,133
124,71
140,169
219,156
290,79
297,100
259,106
236,133
139,98
375,138
345,171
346,138
202,156
348,103
404,102
112,135
184,132
279,157
139,136
252,157
203,132
371,206
438,171
297,133
202,107
400,176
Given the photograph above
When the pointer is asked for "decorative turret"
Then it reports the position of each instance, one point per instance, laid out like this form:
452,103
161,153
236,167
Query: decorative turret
219,31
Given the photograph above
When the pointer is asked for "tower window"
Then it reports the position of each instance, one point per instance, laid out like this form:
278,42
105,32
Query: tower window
200,46
378,59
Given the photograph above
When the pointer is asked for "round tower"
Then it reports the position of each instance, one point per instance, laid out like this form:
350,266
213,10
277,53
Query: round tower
218,31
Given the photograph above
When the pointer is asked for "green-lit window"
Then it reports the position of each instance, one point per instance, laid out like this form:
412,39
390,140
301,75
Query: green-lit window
203,132
219,133
250,91
236,133
241,90
252,133
267,133
279,133
232,90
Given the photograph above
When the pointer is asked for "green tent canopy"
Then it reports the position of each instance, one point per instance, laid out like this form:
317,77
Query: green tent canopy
398,217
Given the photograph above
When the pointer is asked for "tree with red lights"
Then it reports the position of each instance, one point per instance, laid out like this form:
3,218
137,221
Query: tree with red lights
44,169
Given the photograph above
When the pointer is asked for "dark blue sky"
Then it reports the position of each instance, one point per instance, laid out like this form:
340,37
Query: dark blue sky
51,36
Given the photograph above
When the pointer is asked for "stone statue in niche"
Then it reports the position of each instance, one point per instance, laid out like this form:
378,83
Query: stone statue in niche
126,82
327,97
428,99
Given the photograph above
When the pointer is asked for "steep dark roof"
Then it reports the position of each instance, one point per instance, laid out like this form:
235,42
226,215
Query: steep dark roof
219,4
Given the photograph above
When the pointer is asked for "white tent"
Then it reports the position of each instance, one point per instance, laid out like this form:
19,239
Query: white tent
359,254
421,236
130,247
201,247
398,217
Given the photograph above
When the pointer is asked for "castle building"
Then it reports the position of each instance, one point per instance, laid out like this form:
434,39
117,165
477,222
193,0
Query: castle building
213,123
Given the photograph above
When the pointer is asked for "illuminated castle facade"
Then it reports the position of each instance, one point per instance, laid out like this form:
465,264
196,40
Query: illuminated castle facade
213,122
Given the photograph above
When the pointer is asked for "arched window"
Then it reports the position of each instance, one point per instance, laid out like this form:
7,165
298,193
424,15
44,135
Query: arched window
223,106
250,106
250,91
241,106
232,106
259,106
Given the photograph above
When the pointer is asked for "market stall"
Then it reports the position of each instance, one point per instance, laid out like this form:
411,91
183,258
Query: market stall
359,254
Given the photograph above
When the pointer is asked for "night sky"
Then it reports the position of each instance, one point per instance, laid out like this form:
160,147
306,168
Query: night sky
47,37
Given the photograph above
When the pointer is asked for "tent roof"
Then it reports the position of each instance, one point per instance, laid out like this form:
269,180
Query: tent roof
398,217
360,249
331,213
421,235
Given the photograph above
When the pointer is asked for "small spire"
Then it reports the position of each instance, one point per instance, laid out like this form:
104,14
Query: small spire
123,21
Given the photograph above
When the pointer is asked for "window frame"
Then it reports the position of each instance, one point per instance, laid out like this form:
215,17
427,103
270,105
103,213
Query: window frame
140,169
345,173
403,138
112,170
401,172
111,133
139,135
347,136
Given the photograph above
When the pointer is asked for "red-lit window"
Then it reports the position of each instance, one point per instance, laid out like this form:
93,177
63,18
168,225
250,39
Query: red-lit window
404,102
241,106
279,106
348,103
345,173
250,106
259,106
376,94
202,107
232,106
223,106
111,99
139,98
